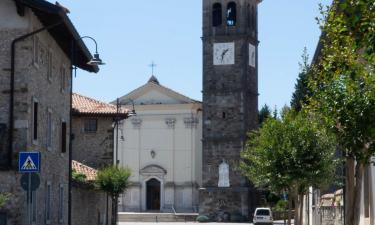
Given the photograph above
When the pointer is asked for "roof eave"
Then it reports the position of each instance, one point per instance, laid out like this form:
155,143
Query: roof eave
43,7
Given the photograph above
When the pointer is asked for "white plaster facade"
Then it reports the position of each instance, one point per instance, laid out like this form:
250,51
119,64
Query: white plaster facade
162,142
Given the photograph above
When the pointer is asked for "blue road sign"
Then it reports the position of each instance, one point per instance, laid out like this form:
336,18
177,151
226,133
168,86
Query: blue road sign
29,162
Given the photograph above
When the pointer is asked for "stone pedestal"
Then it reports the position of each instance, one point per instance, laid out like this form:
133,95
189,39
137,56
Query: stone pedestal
223,204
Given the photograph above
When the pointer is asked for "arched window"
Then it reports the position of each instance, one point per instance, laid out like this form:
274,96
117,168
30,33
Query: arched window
216,15
231,14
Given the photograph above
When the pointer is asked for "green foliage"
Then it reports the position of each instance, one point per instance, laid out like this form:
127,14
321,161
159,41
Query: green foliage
79,177
272,198
290,153
203,219
281,206
4,197
113,180
302,91
264,113
343,80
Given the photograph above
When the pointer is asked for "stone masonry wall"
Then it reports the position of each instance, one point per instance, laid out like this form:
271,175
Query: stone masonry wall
32,84
94,210
93,149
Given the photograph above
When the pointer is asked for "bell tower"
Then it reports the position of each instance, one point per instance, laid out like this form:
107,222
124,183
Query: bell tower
230,104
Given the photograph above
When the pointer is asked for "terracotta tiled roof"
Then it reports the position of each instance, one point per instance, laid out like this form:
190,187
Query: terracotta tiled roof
86,170
86,105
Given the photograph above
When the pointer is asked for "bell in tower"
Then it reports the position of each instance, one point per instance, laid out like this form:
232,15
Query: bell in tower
230,105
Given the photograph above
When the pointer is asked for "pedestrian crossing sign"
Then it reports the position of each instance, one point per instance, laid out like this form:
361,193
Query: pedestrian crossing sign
29,162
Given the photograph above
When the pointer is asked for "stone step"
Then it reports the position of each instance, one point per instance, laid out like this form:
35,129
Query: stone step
156,217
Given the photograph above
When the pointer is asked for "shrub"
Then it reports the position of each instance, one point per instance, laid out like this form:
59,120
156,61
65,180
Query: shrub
79,177
203,219
281,205
4,197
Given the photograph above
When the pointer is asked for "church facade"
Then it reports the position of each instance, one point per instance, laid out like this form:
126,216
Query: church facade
162,146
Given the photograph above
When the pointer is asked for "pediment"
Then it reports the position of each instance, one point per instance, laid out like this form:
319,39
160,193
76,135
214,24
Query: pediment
153,170
155,94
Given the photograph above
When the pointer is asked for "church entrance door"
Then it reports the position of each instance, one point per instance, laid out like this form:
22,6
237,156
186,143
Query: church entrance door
153,194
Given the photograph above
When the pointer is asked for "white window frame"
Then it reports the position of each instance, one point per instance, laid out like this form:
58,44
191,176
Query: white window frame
49,65
36,44
63,81
48,203
49,139
67,138
87,121
33,119
61,204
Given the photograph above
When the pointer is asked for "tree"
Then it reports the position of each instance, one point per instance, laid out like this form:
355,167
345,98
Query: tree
114,181
264,113
79,177
290,154
302,91
343,81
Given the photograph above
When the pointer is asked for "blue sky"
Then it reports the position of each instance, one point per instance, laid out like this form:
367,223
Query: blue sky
132,34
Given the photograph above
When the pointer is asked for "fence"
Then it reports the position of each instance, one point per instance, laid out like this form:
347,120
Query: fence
328,215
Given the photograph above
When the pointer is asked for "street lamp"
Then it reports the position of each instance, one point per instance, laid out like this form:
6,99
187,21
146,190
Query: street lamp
131,113
95,61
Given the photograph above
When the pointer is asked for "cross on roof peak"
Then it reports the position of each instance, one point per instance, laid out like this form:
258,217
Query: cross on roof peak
153,66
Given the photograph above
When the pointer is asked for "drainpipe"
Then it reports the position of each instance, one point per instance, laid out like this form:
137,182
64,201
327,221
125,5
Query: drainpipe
12,74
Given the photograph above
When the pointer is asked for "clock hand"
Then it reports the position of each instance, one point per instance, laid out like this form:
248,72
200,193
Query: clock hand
223,54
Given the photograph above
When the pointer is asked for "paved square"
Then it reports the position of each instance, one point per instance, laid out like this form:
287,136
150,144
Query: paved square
189,223
179,223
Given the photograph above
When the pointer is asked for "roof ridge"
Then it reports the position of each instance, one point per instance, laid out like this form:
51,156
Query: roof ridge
160,86
87,105
88,171
94,100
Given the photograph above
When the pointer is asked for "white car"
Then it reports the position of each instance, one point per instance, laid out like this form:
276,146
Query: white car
263,216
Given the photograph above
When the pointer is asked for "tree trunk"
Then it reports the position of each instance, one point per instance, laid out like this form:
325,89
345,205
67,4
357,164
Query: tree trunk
300,222
358,193
349,190
290,202
114,210
296,210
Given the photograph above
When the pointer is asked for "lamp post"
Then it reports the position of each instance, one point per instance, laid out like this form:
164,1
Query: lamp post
95,61
117,119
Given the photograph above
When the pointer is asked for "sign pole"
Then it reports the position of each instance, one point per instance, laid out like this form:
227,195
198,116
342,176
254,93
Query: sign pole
29,200
29,164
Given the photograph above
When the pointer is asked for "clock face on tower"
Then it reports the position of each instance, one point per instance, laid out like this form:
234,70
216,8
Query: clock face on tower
223,53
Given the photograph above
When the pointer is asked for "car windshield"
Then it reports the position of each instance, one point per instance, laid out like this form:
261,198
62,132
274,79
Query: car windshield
263,212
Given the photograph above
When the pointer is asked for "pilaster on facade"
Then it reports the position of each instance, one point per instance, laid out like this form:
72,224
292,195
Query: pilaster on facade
137,123
191,122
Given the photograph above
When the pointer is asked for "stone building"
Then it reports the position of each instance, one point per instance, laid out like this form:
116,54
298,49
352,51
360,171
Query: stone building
35,105
92,149
89,206
230,104
93,123
162,147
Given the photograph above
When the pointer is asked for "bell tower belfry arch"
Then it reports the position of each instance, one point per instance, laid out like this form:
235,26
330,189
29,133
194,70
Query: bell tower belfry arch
230,103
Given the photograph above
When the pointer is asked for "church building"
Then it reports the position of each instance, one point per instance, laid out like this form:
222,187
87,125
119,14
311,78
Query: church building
162,146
